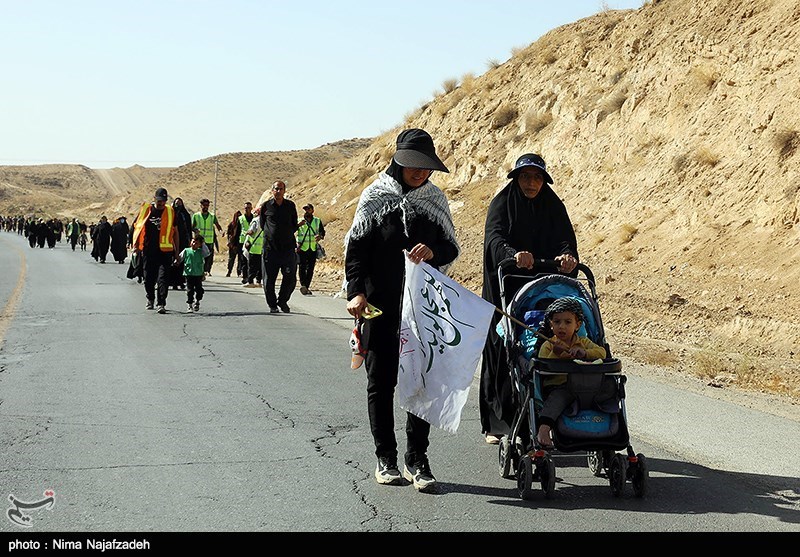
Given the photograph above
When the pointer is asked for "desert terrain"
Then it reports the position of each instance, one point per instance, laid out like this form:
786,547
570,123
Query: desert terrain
672,135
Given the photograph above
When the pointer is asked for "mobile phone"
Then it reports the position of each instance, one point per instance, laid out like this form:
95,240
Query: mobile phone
373,312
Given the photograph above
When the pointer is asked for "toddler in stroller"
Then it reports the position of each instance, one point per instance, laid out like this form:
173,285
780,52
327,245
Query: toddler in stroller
569,390
564,318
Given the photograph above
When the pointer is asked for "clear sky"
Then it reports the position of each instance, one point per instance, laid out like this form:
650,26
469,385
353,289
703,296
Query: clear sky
109,83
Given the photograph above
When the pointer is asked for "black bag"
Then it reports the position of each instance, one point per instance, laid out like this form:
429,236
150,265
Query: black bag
321,252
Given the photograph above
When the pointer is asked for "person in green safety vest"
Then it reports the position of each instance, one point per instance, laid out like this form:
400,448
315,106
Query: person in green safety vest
204,222
309,232
73,232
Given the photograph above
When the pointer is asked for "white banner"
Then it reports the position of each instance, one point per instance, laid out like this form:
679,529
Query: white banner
442,333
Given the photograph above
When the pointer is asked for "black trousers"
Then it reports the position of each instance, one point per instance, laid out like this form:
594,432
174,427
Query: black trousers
236,257
209,261
383,355
194,288
306,260
255,268
156,276
285,263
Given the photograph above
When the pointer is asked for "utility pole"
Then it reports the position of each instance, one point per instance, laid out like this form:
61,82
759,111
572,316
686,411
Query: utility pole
216,168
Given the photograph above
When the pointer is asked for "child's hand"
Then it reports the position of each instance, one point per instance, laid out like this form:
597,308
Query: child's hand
578,352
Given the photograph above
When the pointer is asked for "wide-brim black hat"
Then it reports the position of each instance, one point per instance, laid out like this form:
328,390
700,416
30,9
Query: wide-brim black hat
415,149
534,160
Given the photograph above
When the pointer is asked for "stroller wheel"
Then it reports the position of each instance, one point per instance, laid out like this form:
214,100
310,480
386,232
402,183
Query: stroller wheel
617,474
525,478
595,461
507,458
641,476
547,476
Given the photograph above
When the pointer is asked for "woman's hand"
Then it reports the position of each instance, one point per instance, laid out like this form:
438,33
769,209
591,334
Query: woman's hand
524,259
420,252
566,263
357,305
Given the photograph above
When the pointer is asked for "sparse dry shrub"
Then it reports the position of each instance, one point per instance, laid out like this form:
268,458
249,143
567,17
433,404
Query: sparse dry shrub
704,76
549,57
617,76
626,255
710,364
517,50
468,83
613,103
659,357
503,115
707,364
706,156
364,174
493,64
648,138
445,104
594,240
627,232
449,85
786,142
679,163
536,121
416,113
387,153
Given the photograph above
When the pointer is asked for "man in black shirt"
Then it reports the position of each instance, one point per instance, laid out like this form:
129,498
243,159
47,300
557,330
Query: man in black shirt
155,239
278,220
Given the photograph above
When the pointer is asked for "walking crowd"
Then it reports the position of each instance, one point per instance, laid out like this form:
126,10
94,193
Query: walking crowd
401,213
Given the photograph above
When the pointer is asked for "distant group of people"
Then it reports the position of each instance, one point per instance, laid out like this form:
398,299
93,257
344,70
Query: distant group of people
103,236
262,244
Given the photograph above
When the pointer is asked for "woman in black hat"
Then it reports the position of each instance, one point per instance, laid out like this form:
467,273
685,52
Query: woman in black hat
525,220
401,210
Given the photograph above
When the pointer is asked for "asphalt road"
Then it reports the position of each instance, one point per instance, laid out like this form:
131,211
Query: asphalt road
236,420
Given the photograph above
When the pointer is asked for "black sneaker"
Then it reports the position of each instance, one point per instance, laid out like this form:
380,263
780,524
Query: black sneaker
420,475
274,310
386,472
149,305
162,309
197,306
284,308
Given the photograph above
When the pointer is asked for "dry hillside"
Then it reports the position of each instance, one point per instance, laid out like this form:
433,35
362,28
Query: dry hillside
65,190
672,134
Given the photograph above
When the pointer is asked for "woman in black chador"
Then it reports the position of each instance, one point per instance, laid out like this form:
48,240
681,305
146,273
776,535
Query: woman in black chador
525,220
102,239
119,240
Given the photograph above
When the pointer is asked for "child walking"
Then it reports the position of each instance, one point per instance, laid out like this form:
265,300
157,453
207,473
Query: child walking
193,267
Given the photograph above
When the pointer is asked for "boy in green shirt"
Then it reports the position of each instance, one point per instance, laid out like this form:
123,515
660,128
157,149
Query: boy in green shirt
193,267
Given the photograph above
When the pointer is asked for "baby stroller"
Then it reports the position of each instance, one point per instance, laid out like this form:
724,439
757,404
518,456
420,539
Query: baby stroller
600,429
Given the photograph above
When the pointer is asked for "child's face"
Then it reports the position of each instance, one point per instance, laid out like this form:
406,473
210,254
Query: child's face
196,243
564,325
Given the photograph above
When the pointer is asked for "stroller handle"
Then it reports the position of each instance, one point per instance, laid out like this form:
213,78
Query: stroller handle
544,266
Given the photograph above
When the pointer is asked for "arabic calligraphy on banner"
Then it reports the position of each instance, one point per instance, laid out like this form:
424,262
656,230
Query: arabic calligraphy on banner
442,332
